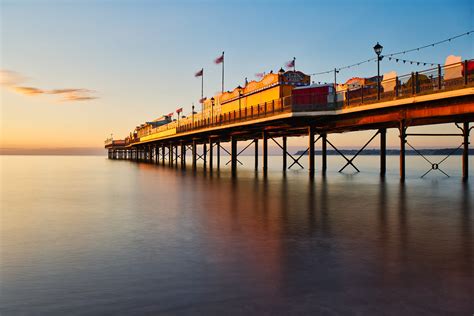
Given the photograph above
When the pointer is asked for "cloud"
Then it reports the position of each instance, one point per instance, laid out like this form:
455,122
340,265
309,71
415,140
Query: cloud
12,80
28,90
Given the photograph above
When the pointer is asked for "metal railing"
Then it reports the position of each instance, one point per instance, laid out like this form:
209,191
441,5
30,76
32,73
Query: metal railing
435,80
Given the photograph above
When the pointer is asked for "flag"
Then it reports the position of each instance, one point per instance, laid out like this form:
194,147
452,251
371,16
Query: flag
199,73
179,110
290,64
170,114
219,59
260,75
202,100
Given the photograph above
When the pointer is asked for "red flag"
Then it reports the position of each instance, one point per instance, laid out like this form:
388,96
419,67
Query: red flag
260,75
179,110
290,64
202,100
219,59
199,73
170,114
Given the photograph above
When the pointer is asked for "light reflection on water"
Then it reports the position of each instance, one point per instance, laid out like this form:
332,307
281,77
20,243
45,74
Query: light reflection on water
89,235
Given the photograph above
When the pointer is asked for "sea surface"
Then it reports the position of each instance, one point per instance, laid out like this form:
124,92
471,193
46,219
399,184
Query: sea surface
92,236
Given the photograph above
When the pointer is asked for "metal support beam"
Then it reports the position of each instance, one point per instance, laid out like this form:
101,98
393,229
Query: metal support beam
311,133
403,129
170,155
218,148
465,153
324,158
383,151
194,155
349,162
211,154
163,154
176,156
233,155
241,151
255,141
265,151
183,156
204,154
284,145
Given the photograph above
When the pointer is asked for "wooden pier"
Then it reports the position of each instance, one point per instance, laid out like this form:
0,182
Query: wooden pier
412,102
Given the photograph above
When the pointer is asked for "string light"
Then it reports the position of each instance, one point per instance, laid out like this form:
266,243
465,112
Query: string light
418,63
398,53
430,45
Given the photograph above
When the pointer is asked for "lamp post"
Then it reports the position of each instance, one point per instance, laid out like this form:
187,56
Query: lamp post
239,88
212,110
378,50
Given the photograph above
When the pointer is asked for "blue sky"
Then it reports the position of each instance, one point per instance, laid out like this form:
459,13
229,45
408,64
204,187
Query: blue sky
139,57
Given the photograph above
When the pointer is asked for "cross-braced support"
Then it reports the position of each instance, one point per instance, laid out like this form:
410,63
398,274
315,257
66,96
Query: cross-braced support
296,161
286,153
436,165
465,155
349,161
229,153
241,151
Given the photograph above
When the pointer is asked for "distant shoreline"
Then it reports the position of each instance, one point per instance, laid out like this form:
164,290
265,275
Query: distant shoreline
351,152
394,152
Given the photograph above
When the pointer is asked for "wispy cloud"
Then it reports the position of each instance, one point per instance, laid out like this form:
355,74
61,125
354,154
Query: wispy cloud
13,80
28,90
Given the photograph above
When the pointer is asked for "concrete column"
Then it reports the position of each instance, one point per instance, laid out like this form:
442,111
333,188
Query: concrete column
465,153
283,140
233,154
311,151
383,151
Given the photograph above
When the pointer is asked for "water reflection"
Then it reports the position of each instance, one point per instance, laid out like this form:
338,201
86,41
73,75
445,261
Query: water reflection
156,239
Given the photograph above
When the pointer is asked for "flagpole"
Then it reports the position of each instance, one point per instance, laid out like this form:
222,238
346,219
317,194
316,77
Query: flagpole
202,91
223,59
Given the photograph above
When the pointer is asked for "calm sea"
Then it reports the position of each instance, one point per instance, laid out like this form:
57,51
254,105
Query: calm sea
87,235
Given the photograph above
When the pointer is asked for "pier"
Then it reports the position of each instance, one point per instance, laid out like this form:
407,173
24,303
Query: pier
416,99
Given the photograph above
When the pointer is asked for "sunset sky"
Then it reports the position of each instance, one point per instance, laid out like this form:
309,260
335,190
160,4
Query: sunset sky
75,71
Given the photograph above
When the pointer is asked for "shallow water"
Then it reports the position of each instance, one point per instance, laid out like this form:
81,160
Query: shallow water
88,235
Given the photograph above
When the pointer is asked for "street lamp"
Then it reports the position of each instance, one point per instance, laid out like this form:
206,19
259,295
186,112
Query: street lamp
240,89
212,110
378,50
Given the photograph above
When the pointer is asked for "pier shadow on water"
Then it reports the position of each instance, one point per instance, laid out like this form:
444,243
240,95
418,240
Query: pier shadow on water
88,235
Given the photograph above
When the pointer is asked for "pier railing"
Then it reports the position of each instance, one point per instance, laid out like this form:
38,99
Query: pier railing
435,80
